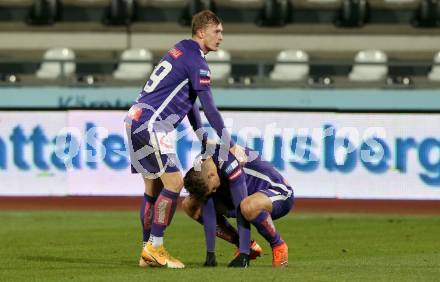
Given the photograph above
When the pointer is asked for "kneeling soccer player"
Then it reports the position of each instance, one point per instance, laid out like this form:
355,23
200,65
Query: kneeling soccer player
269,197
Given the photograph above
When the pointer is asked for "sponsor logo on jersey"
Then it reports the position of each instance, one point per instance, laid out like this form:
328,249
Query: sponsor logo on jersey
231,167
175,53
165,142
235,174
205,80
205,73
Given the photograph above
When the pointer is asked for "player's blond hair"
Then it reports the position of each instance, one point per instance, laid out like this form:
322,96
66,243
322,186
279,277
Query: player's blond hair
202,19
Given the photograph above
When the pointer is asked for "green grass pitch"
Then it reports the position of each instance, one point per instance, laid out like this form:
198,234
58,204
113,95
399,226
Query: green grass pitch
105,246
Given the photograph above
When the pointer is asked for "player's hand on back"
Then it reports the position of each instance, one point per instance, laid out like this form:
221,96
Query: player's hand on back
208,144
239,154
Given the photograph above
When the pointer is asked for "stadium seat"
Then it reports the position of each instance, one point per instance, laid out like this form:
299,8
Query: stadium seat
427,14
372,72
221,66
291,65
162,3
44,12
53,70
85,10
315,4
16,3
402,3
353,13
434,74
195,6
410,5
275,12
139,69
86,3
243,11
120,12
240,3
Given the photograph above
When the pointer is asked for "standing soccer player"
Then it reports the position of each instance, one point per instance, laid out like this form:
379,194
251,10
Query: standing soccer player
168,96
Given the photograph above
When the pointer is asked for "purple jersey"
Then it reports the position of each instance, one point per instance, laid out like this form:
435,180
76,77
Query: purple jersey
259,176
238,182
174,84
171,92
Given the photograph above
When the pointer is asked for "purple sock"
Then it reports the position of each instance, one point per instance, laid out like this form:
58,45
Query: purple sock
244,233
146,215
164,209
263,223
226,231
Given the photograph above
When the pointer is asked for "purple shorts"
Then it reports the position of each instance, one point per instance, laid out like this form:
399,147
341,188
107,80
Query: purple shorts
151,153
282,202
282,198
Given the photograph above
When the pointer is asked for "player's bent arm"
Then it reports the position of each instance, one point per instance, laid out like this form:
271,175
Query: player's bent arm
194,208
214,117
196,123
209,224
238,187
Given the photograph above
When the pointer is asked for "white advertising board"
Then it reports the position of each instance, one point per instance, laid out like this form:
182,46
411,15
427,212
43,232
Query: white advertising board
28,163
347,156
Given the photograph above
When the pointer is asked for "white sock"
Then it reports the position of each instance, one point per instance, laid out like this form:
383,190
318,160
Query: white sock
156,241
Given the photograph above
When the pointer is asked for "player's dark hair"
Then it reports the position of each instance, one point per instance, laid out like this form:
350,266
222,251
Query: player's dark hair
202,19
195,185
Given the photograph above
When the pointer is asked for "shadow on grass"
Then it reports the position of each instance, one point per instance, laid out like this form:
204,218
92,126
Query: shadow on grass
102,262
87,262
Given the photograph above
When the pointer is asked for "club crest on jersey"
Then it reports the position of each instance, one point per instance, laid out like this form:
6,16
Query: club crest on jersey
236,174
175,53
205,73
231,167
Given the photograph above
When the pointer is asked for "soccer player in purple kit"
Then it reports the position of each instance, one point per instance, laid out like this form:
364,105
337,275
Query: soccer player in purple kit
168,96
210,185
